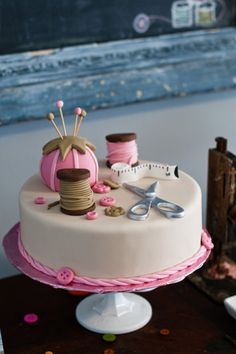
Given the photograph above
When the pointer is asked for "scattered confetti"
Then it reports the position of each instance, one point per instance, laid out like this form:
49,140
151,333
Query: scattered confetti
109,337
109,351
164,331
31,318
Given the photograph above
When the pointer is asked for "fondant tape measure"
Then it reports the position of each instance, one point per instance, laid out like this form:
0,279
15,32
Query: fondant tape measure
122,172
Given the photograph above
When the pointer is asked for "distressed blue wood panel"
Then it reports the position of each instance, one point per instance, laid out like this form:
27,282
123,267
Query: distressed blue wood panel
116,73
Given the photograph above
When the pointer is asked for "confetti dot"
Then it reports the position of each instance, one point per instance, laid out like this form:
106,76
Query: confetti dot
109,351
164,331
31,318
109,337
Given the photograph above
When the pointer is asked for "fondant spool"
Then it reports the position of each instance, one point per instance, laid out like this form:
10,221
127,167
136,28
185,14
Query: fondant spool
76,196
122,147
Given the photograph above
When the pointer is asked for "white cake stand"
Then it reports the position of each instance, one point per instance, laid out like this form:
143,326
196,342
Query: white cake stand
115,313
113,308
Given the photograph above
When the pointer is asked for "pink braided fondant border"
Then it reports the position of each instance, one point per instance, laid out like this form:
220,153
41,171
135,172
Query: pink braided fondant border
196,259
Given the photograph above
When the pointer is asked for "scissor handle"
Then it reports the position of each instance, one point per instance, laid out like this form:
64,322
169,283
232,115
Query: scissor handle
140,210
168,209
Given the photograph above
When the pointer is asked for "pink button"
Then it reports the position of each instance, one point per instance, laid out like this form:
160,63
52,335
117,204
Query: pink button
40,200
31,318
101,188
107,201
206,241
65,275
91,215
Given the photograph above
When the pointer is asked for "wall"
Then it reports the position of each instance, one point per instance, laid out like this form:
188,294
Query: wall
175,131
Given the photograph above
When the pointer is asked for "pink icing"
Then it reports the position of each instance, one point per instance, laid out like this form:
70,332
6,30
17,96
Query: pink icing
52,162
172,273
125,152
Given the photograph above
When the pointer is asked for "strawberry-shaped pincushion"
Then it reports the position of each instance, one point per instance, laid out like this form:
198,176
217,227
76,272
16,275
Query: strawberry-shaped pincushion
67,151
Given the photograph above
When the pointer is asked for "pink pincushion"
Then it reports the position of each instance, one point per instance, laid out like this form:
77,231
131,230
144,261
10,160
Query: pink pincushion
53,162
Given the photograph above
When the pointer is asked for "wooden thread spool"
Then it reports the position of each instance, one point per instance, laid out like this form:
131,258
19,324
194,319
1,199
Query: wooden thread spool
76,196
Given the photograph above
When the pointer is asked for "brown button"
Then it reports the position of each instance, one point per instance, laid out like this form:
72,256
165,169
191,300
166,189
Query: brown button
114,211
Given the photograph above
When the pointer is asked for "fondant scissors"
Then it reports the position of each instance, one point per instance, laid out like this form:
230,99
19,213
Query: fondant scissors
141,209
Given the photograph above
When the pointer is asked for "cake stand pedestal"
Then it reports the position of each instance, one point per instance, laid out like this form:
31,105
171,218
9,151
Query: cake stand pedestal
113,308
115,313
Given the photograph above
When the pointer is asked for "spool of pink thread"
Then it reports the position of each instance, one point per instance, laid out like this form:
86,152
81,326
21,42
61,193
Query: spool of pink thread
122,147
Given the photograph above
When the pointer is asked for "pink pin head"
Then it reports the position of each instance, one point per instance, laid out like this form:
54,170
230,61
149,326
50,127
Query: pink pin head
78,111
59,104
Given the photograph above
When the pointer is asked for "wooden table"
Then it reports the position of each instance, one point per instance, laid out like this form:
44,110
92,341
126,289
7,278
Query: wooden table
196,324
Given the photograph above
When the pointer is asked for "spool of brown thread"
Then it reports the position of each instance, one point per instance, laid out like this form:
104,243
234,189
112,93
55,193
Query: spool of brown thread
76,196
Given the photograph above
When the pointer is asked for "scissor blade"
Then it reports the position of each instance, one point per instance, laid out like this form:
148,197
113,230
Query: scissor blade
135,189
151,191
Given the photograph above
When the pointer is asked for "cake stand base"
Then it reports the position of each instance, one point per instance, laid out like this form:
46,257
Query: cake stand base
114,313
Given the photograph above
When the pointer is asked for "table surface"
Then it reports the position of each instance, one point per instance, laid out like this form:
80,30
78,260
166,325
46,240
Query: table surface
196,323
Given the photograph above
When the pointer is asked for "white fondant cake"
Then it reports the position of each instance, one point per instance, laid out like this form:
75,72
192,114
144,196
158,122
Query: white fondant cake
112,247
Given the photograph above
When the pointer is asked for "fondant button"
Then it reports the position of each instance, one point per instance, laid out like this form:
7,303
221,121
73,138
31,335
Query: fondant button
91,215
65,276
107,201
39,200
101,188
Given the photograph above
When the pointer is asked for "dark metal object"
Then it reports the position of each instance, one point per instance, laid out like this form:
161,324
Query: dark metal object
221,200
218,277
